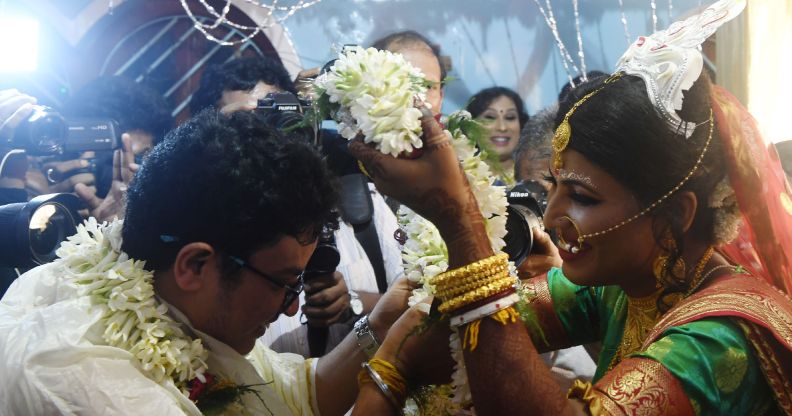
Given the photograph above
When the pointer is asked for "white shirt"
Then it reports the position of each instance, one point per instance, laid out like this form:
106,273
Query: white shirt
53,361
287,334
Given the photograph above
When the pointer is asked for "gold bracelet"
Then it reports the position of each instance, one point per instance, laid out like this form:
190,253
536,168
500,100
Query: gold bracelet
449,293
472,278
471,269
388,380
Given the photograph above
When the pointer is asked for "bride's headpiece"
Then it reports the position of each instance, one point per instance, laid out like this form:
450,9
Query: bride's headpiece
670,61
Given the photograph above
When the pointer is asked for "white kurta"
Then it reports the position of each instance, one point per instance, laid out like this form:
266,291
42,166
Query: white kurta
53,361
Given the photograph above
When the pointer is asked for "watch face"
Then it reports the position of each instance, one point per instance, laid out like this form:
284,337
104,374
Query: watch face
357,306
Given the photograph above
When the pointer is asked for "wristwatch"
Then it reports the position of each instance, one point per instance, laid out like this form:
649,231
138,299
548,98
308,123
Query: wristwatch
355,304
366,339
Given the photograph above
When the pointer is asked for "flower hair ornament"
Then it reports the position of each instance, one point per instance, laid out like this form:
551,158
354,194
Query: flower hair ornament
668,62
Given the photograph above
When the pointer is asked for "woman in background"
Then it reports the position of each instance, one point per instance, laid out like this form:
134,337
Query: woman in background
502,111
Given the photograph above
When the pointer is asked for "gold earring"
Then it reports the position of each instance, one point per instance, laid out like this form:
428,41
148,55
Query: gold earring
661,262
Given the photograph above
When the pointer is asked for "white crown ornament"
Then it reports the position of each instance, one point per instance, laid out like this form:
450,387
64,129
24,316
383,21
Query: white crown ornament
670,60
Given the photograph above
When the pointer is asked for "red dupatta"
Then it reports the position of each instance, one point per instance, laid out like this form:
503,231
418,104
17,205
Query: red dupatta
764,245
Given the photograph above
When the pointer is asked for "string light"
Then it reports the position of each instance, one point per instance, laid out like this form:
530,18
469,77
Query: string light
566,58
580,41
653,4
624,23
275,15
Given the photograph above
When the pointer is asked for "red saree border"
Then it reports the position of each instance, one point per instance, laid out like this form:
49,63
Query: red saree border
636,386
765,315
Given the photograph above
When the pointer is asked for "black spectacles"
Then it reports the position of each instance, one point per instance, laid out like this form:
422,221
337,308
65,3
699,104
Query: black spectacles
292,291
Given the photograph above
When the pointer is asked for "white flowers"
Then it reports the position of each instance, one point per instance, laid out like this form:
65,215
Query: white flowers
372,92
132,317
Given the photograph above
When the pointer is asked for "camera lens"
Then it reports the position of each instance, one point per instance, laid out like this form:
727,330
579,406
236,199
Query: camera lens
31,232
42,134
519,232
50,224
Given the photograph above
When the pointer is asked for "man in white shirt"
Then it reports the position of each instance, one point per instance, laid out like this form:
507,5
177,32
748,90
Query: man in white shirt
157,314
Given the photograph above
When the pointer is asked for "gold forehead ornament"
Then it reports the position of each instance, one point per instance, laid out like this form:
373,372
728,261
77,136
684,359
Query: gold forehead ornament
564,130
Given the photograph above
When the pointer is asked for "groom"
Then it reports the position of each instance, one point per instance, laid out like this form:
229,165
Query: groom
225,213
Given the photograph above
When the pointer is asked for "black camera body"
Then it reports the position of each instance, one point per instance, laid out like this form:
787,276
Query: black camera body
527,203
47,133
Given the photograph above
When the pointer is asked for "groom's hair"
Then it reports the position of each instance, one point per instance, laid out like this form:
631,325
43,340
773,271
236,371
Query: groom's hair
234,182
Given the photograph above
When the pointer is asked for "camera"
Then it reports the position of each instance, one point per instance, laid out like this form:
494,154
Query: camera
47,133
324,260
32,231
325,257
527,203
286,112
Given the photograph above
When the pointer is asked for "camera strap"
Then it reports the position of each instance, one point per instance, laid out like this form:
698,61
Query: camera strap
357,208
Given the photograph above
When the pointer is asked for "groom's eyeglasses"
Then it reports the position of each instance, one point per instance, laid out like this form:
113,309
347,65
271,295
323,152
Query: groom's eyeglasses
292,291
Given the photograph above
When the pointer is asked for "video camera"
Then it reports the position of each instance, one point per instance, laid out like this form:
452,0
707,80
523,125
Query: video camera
47,133
527,204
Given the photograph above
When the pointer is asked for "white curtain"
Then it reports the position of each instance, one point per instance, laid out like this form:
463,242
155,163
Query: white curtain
754,61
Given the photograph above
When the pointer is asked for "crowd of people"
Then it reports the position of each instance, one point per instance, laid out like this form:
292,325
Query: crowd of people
195,286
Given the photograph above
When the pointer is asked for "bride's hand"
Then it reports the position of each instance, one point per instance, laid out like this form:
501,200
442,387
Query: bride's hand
433,184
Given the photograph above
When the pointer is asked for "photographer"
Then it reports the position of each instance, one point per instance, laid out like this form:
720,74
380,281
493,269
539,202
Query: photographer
367,266
17,184
142,117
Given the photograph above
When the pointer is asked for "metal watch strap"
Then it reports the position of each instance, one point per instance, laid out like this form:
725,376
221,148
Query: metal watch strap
366,339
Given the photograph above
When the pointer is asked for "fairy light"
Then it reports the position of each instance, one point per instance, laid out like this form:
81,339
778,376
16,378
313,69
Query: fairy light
579,41
653,5
275,14
566,59
624,23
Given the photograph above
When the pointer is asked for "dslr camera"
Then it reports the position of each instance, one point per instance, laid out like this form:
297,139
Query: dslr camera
285,112
527,204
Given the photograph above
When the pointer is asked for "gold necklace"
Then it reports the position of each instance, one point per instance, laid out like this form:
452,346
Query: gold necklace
642,314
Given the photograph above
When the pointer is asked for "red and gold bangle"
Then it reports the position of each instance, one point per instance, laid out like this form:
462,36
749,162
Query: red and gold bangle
478,294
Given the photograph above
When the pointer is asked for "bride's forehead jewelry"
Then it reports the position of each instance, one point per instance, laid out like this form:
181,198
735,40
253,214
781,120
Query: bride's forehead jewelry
564,130
571,175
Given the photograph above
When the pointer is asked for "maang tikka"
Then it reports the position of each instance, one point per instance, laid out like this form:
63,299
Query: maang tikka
563,132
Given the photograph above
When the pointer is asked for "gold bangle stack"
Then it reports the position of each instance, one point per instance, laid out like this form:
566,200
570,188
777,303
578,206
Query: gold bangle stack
387,378
473,283
472,269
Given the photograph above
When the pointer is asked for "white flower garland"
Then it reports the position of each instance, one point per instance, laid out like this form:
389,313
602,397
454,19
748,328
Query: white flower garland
132,317
372,92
